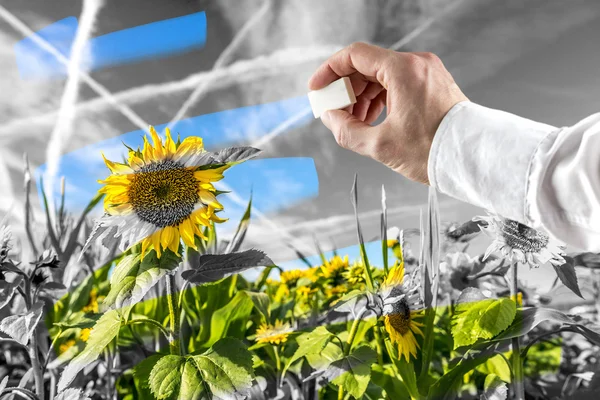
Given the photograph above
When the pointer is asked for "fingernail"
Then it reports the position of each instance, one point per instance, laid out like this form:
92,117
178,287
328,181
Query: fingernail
326,118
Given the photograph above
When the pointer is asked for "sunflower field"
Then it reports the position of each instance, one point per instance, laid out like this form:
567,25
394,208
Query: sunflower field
158,307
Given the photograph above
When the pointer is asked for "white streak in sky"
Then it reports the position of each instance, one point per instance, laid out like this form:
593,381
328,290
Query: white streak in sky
425,25
273,226
283,127
64,125
97,87
223,59
276,63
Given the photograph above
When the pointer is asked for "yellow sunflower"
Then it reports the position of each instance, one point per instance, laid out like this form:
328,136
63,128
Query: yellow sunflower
164,193
274,334
401,306
335,267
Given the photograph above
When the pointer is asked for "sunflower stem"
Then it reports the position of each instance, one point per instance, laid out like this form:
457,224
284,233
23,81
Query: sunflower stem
174,339
278,377
517,364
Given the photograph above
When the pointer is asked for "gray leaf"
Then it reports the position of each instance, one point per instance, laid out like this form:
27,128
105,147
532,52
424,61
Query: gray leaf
566,274
72,394
212,267
471,295
494,389
4,383
8,289
224,156
20,327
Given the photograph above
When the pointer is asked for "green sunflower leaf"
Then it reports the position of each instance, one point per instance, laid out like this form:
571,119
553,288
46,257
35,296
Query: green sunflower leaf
352,372
134,277
227,369
262,303
212,267
20,327
165,377
385,378
105,330
481,319
231,319
309,343
494,388
170,377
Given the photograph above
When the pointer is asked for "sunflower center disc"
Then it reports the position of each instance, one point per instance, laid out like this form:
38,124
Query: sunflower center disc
519,236
400,317
163,193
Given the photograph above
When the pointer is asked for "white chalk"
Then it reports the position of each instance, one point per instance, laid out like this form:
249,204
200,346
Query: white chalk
335,96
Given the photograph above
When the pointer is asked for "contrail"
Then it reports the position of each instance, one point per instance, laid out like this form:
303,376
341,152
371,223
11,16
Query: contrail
242,71
283,127
425,25
223,58
97,87
396,46
64,125
260,216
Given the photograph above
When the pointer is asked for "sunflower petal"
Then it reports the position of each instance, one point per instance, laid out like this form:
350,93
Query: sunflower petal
170,147
159,151
209,199
117,168
188,148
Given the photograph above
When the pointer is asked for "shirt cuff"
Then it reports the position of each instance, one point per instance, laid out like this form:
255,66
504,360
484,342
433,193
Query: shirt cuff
483,156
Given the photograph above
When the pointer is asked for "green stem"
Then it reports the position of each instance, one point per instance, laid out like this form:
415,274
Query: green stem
353,331
378,342
174,338
277,365
348,345
517,364
151,322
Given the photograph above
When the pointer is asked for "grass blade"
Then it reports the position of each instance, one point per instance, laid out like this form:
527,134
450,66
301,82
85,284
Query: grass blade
320,251
27,188
361,240
430,257
51,233
240,233
384,224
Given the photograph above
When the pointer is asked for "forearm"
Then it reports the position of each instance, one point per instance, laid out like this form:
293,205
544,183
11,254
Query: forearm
534,173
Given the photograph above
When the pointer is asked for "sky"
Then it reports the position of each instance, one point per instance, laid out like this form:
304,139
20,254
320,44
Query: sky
538,60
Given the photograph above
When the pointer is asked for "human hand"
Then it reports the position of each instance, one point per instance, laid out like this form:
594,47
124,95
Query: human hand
417,90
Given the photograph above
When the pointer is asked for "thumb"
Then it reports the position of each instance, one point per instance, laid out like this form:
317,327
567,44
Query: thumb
350,132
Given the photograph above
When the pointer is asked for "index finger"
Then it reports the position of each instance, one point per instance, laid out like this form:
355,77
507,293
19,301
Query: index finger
363,58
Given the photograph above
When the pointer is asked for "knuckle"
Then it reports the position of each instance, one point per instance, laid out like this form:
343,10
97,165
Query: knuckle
413,60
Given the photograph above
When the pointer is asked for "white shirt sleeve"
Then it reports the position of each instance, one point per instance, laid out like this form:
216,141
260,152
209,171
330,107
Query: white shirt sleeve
539,175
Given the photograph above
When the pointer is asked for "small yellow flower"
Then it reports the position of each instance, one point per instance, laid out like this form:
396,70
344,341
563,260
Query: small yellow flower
66,346
274,334
305,291
335,267
92,305
355,275
84,335
291,277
